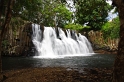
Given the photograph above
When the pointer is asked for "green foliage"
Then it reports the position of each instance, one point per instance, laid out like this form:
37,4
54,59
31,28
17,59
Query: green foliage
63,15
55,13
77,27
27,9
111,29
92,12
73,26
5,43
47,12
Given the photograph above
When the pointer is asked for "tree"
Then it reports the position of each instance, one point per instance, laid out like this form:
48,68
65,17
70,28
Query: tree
46,12
62,15
1,8
5,26
54,13
111,29
118,72
73,26
27,9
93,13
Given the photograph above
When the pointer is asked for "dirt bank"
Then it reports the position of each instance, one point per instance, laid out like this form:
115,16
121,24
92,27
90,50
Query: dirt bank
57,74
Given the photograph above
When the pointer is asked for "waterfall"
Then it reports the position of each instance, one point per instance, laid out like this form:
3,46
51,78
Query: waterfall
53,43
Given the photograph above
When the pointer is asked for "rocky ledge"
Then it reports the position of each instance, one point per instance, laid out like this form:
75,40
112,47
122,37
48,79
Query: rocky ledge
58,74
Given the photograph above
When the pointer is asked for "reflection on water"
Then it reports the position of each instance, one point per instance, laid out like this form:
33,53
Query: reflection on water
95,60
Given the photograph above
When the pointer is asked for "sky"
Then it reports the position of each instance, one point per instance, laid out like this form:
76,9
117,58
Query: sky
111,15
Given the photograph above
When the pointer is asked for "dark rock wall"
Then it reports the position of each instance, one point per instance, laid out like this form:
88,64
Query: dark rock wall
18,42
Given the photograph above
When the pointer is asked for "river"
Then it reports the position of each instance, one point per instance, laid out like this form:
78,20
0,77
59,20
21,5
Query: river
77,62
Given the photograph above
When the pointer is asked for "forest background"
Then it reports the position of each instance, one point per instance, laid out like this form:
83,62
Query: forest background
89,16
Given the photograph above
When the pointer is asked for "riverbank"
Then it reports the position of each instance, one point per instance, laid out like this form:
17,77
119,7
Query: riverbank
58,74
101,51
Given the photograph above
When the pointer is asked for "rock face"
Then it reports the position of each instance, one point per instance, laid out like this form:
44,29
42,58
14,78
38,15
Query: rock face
19,42
98,42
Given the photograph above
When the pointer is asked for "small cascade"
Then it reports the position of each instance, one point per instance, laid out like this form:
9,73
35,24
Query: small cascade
53,42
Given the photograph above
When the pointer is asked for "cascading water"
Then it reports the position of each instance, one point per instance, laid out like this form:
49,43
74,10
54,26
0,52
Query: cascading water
50,43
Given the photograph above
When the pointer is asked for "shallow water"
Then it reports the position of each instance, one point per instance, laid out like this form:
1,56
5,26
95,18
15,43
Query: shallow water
77,62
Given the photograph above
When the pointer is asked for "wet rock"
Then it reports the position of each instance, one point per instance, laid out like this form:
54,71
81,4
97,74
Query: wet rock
58,74
93,71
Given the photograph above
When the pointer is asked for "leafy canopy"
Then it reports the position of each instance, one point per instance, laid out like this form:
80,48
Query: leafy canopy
92,13
47,12
111,29
76,26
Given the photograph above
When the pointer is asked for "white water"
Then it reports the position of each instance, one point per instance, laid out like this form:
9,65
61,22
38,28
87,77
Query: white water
52,46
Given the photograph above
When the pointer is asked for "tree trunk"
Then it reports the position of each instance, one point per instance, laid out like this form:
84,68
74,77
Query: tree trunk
118,72
1,9
4,27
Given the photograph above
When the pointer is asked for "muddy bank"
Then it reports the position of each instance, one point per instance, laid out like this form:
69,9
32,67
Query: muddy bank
58,74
